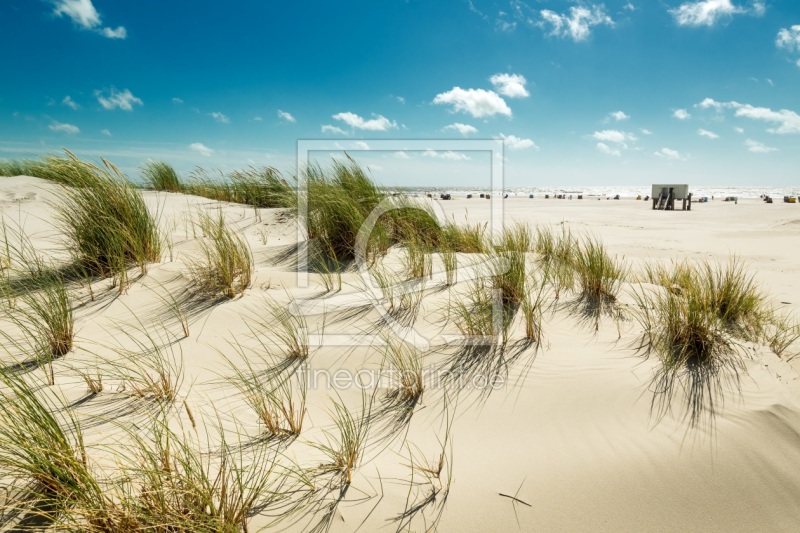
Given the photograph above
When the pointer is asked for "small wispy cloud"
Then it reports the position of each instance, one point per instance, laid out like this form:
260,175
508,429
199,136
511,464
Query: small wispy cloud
377,123
463,129
618,116
284,115
115,99
510,85
106,132
670,154
479,103
758,147
576,25
63,127
201,149
739,130
70,103
606,149
788,121
710,12
257,118
681,114
330,128
621,138
220,117
447,154
118,33
513,142
401,155
705,133
177,100
83,14
645,131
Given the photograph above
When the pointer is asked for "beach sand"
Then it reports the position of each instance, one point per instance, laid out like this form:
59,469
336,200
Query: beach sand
571,434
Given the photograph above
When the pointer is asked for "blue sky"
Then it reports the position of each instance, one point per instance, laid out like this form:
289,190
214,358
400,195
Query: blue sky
584,93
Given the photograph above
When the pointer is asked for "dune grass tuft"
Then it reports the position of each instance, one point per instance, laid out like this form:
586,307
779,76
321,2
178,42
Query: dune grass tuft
696,325
107,224
480,315
44,323
405,364
557,253
280,406
782,333
289,326
533,302
262,187
469,239
42,455
225,266
599,276
345,449
160,176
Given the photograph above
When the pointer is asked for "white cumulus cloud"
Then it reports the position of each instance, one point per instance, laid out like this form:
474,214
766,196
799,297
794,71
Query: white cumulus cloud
758,147
789,38
705,133
463,129
84,14
124,100
614,136
510,85
219,117
645,131
669,153
477,102
681,114
201,149
284,115
62,127
709,12
377,123
513,142
578,24
401,155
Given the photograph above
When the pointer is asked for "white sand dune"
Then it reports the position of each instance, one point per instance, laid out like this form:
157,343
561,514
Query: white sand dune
573,433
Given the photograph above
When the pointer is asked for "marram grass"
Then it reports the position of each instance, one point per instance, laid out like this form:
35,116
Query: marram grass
107,224
225,264
160,176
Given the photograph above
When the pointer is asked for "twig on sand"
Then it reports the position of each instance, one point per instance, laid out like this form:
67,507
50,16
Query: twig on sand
514,498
